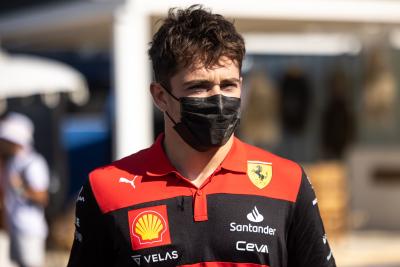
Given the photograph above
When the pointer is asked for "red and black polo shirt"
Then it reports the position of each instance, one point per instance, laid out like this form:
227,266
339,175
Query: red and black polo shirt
256,209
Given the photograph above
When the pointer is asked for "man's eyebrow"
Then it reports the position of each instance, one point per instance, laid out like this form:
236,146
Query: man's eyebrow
193,82
205,81
231,80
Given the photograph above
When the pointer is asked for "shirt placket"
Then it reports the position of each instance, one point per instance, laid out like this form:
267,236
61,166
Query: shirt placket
199,194
200,209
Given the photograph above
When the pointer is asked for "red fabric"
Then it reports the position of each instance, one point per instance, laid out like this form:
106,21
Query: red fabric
149,176
200,206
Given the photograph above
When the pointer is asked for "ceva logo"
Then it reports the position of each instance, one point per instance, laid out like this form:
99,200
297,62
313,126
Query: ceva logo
251,247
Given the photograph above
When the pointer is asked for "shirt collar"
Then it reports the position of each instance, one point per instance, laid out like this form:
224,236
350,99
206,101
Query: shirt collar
160,164
235,160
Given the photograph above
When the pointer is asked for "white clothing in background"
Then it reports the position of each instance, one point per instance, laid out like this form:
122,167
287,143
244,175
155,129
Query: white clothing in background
23,216
4,250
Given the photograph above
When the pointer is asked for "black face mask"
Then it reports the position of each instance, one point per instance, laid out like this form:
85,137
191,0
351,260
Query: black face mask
207,122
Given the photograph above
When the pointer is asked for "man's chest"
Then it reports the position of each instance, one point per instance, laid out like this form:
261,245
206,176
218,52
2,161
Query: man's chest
239,229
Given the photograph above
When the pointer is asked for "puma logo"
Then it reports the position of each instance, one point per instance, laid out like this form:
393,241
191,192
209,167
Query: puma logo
127,181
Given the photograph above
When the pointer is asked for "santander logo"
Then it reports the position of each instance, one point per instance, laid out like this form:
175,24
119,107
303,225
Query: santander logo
255,216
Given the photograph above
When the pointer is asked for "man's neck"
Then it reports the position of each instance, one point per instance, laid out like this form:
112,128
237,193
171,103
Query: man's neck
190,163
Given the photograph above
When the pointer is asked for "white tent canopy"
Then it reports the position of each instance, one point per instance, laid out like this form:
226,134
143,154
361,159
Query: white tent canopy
25,75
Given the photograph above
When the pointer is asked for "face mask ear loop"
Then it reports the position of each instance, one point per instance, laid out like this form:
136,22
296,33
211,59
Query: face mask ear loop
169,116
168,91
174,97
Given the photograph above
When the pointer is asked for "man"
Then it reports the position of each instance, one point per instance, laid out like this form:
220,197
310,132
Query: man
198,196
25,179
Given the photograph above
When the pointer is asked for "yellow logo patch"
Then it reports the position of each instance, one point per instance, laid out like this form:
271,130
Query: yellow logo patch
260,173
149,226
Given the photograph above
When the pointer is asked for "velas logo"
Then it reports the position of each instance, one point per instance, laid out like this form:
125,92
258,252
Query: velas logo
259,173
149,227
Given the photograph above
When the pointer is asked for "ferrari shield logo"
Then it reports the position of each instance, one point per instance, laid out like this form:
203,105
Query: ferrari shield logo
260,173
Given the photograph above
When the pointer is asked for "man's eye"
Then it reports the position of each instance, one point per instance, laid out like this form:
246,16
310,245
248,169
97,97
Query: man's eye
229,86
197,88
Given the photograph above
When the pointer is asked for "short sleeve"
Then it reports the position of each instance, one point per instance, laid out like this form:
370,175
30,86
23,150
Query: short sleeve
307,241
92,245
37,175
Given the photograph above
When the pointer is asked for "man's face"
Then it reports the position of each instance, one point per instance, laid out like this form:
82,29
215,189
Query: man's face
203,82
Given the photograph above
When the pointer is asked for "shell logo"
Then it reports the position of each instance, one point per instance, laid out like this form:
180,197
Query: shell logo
149,226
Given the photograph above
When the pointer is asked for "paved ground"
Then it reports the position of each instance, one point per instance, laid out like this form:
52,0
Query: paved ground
57,259
368,249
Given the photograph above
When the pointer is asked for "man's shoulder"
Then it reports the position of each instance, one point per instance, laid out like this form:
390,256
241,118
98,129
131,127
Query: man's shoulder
112,184
258,154
285,175
134,163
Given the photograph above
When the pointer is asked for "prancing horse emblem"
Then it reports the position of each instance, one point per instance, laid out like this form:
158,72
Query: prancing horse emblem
260,173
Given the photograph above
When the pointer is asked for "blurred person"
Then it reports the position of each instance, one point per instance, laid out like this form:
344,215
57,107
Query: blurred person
295,100
25,180
338,123
198,196
260,124
4,239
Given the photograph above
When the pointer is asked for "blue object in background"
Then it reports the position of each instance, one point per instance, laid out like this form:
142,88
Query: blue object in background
87,142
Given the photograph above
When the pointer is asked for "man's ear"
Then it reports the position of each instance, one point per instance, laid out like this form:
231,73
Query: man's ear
159,96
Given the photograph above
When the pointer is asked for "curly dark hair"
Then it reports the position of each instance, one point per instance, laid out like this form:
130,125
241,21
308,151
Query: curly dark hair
193,36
